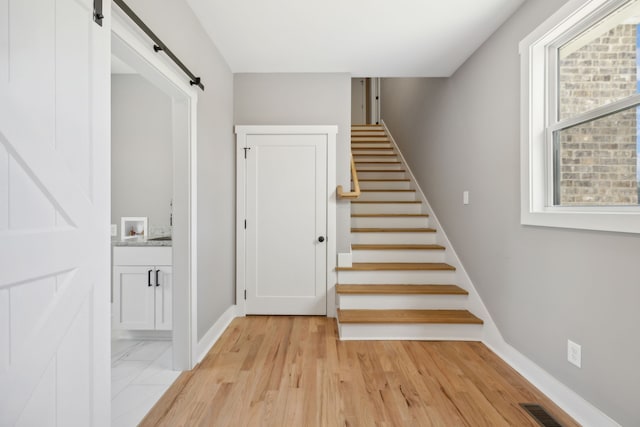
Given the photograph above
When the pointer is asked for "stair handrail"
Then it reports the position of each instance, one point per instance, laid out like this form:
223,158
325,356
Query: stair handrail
356,184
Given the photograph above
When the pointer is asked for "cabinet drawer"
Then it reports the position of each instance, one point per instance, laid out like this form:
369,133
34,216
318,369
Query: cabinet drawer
136,255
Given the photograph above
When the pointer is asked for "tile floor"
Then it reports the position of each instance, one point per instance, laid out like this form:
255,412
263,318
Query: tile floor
140,374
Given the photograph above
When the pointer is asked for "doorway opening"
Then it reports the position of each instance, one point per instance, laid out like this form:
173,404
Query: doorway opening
365,101
160,260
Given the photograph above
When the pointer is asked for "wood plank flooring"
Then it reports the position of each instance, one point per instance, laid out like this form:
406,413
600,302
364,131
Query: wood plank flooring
293,371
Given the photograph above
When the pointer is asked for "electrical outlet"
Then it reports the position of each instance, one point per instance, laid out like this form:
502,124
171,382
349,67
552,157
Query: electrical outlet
465,197
114,230
574,353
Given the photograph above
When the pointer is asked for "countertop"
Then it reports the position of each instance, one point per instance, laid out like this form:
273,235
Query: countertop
139,241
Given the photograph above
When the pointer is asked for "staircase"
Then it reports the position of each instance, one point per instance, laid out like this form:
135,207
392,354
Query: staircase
399,285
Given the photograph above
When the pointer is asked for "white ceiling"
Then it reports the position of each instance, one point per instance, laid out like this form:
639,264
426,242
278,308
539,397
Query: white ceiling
377,38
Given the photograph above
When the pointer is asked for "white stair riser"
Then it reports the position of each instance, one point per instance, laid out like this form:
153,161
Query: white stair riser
363,158
361,167
387,196
402,302
422,332
389,208
417,255
356,151
370,145
385,185
396,277
390,222
392,238
381,175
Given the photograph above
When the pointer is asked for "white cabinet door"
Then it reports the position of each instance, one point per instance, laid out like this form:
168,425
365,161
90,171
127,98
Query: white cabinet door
133,297
163,290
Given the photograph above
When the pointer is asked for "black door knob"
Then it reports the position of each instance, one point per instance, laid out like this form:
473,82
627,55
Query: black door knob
321,239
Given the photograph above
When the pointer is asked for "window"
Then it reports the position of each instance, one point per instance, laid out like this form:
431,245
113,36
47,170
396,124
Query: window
581,118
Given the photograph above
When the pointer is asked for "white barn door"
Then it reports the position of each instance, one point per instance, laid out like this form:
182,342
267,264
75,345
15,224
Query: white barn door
286,212
54,210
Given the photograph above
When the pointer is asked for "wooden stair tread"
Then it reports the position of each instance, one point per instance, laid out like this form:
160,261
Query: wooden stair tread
385,180
384,190
400,290
398,266
380,170
371,148
366,140
364,162
392,215
375,155
386,201
392,230
378,247
408,316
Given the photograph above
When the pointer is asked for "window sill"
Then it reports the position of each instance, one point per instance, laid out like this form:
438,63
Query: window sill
583,219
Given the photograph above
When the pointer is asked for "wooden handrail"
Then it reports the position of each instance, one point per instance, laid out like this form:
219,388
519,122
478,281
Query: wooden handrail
356,185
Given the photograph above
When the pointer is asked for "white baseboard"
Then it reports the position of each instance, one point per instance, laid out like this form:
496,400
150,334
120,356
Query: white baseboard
570,402
212,335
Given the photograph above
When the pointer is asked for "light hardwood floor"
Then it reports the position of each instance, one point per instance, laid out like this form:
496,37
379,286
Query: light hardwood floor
293,371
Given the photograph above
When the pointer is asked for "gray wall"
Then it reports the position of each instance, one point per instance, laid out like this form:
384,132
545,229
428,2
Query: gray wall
302,99
141,150
179,29
542,286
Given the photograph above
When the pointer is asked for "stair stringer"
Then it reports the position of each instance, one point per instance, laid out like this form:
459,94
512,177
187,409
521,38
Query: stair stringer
489,332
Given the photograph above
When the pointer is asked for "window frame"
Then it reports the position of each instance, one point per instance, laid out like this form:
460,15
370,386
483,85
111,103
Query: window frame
539,119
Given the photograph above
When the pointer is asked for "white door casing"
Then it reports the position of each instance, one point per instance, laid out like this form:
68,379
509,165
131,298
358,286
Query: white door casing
286,215
54,214
286,192
133,47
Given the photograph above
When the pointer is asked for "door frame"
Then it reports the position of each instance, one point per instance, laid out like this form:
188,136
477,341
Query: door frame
131,45
242,132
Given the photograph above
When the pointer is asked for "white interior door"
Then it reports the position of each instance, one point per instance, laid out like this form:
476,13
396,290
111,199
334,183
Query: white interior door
54,209
286,205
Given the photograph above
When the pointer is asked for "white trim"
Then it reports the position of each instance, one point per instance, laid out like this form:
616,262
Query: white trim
242,131
475,304
535,187
569,401
129,43
572,403
216,330
345,259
